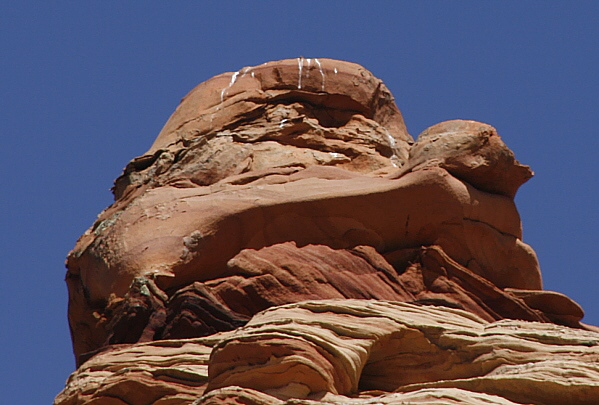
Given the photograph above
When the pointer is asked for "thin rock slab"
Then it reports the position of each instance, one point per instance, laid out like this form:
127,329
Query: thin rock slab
435,396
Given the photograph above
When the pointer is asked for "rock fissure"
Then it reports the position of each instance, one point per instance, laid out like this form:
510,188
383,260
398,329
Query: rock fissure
478,221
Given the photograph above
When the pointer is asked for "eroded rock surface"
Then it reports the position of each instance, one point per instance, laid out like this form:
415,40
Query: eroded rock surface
285,239
344,347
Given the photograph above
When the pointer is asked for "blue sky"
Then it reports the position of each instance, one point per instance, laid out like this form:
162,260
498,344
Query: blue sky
86,86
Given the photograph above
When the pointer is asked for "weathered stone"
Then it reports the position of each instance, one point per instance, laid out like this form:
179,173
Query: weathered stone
473,152
307,349
285,241
161,372
441,396
181,235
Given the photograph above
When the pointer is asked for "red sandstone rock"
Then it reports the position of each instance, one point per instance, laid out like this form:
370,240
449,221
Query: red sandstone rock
472,152
284,273
182,235
297,180
338,90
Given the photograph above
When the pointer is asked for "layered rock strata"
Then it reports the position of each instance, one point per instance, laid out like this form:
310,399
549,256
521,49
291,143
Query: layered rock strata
285,239
351,346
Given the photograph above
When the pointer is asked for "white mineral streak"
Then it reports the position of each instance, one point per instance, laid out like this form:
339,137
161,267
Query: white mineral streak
393,145
300,65
231,83
321,72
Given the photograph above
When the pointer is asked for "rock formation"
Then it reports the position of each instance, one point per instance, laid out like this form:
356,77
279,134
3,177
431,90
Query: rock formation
284,240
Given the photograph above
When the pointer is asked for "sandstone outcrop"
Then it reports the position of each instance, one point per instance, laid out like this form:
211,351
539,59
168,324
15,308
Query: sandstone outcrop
285,240
343,347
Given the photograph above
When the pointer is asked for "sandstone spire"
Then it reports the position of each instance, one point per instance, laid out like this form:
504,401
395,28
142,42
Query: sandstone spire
285,239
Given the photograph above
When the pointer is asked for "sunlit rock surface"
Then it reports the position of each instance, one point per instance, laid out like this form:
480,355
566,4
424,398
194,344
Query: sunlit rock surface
285,239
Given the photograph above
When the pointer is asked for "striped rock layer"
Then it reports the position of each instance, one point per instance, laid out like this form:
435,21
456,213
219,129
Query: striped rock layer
355,352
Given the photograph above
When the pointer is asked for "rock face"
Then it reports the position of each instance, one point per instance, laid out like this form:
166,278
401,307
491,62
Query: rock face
284,240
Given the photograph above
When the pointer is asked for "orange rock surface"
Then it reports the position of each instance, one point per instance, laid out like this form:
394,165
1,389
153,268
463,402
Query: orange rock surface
285,239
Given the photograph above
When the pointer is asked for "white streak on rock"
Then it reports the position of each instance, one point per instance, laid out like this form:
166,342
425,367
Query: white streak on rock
300,65
321,72
245,70
231,83
393,145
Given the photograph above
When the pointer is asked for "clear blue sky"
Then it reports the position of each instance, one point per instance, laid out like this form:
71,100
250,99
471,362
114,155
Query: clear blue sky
86,86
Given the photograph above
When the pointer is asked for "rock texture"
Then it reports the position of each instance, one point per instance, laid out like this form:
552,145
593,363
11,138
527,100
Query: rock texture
284,240
343,347
161,372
